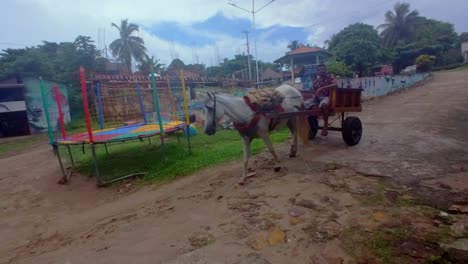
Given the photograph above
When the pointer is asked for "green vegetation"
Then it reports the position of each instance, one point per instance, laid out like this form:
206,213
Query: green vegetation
294,45
170,161
379,243
424,63
437,260
229,66
18,144
405,36
400,24
440,235
128,46
339,68
378,197
357,45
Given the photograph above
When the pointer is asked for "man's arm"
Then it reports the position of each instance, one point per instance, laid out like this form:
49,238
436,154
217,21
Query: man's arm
319,90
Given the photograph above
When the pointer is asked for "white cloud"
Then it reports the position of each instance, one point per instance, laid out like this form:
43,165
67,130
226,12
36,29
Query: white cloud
28,22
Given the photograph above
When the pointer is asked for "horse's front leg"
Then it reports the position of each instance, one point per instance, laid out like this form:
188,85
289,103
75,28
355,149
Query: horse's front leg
266,139
292,125
246,141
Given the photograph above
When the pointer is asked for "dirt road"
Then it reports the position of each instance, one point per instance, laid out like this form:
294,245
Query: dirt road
414,142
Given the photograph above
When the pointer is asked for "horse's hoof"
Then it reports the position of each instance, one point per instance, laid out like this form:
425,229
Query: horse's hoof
292,155
277,168
241,183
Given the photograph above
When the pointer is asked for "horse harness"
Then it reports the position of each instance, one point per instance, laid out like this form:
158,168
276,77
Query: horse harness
213,112
253,122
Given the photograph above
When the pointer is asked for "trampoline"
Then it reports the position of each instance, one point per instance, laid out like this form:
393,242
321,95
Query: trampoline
123,133
115,101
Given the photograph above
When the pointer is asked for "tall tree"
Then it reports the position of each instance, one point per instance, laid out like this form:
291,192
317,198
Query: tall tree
128,46
177,64
358,46
145,66
294,45
399,24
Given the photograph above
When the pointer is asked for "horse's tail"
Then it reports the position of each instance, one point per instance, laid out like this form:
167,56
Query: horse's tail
303,127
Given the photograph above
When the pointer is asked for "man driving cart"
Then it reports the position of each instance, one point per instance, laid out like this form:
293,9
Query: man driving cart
321,98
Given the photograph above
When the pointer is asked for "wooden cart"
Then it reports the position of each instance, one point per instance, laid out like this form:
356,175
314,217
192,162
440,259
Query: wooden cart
342,102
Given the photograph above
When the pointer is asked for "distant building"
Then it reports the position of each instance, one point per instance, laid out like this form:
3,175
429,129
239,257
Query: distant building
303,63
270,75
175,73
21,108
383,70
464,50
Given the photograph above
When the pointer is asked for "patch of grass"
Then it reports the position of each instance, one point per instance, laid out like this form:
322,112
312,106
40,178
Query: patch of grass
13,144
169,161
17,144
461,68
437,260
378,197
464,234
379,243
408,201
440,235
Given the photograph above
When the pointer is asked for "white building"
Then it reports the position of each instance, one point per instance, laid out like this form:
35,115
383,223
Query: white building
464,49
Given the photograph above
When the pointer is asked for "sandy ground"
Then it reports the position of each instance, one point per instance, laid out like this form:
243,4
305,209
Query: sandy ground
417,140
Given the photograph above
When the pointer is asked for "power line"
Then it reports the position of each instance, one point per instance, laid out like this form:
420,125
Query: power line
253,12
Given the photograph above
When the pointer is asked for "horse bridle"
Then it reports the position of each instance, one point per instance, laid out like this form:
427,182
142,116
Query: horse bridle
213,111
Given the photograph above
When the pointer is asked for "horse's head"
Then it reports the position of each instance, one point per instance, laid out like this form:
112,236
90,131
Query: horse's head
213,113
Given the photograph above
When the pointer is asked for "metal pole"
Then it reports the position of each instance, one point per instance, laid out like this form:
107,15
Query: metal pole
45,105
255,43
57,152
98,175
248,54
71,156
140,101
187,118
254,28
100,114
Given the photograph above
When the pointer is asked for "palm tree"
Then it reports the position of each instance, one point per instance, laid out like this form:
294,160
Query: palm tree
294,45
128,46
399,24
145,65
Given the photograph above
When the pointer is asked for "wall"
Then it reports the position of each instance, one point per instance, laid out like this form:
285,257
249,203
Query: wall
464,50
381,86
36,115
12,106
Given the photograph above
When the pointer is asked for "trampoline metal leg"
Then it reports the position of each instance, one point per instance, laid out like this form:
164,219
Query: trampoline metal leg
149,140
99,182
178,136
105,146
57,152
71,156
188,140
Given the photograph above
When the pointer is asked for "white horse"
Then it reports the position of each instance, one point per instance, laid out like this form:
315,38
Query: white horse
252,125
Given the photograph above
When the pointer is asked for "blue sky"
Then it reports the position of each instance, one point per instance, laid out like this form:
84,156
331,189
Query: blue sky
205,28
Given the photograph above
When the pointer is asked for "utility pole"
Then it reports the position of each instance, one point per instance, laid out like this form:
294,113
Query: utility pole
253,12
248,54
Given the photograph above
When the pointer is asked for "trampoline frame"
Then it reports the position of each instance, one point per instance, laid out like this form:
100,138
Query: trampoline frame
100,181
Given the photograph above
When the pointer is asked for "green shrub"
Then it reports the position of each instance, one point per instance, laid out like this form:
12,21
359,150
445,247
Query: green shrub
339,68
425,62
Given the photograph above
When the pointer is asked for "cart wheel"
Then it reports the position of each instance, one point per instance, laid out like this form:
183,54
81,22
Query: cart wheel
314,127
352,130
